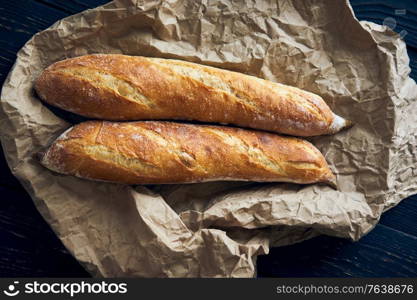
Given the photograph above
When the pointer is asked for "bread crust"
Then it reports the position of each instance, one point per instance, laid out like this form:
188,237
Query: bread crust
120,87
151,152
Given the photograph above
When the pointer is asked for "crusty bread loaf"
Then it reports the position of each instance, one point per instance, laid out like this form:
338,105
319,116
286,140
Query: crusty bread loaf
153,152
120,87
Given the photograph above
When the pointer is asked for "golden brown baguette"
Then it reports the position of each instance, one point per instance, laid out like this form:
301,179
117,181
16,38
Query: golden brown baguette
120,87
153,152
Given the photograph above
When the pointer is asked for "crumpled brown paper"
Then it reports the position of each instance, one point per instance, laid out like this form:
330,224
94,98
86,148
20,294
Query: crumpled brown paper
217,229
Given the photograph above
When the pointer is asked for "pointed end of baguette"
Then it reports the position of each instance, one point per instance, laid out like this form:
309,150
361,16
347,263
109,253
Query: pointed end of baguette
339,124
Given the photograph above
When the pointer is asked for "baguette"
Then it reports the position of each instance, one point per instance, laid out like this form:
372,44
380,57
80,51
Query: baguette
120,87
151,152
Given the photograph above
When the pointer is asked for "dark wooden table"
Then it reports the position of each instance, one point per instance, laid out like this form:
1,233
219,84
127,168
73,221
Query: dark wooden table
28,247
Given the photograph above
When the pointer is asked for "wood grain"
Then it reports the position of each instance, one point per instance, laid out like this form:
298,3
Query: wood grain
404,14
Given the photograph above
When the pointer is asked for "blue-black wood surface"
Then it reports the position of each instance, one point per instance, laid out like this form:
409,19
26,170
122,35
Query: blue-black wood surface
28,247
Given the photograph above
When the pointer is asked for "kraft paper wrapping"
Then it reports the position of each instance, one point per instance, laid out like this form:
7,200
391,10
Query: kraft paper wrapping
217,229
